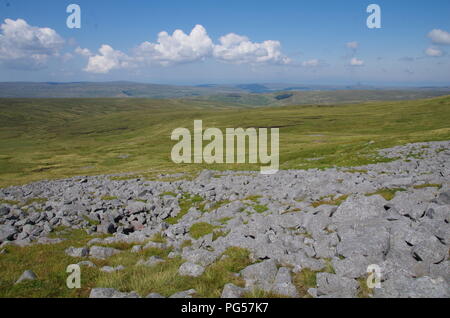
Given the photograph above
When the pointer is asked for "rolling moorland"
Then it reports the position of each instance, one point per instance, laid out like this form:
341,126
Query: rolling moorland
57,138
268,94
173,230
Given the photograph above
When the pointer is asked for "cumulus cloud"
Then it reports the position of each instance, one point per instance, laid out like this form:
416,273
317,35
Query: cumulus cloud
434,52
356,62
439,36
108,60
239,49
177,48
83,52
25,46
183,48
352,45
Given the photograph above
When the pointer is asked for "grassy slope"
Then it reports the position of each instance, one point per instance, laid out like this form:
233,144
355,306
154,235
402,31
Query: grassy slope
55,138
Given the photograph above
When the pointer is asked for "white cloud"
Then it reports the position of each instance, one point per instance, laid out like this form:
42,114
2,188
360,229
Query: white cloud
183,48
311,63
25,46
439,36
239,49
176,48
356,62
83,52
353,45
434,52
108,60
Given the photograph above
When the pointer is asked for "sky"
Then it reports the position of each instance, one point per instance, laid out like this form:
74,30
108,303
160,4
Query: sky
227,42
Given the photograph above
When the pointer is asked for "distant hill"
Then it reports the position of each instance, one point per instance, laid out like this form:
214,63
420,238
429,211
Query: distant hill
312,97
267,94
104,90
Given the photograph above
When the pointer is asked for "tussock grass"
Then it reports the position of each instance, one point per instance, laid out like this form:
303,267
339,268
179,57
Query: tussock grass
363,290
259,293
164,279
49,262
159,238
304,280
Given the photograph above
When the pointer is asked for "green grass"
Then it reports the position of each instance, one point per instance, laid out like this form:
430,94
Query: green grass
387,194
109,198
164,279
225,220
36,200
186,202
258,293
200,229
253,198
49,262
330,200
58,138
159,238
9,202
363,290
259,208
304,280
428,185
219,233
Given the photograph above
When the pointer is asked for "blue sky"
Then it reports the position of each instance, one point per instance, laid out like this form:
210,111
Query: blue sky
320,42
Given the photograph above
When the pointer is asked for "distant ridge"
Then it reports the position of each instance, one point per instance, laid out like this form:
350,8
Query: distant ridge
252,94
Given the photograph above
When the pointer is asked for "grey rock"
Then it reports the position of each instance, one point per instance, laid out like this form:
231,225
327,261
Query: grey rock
191,269
184,294
77,252
46,240
200,257
283,283
110,293
7,232
107,228
101,252
352,267
154,295
87,263
26,275
136,248
334,285
444,197
151,261
402,286
109,269
232,291
359,208
136,207
260,275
